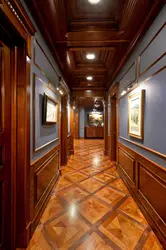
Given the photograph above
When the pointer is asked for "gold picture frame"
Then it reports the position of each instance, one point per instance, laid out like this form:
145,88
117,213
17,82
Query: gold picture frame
136,114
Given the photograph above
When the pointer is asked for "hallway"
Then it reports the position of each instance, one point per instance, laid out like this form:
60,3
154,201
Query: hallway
91,208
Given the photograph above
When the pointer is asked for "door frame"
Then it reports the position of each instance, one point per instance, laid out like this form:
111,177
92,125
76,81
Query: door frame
113,93
14,18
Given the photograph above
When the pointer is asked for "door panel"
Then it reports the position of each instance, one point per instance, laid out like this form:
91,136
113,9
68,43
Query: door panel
5,145
113,129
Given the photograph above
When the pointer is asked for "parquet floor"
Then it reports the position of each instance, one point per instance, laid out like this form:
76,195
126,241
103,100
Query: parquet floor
91,208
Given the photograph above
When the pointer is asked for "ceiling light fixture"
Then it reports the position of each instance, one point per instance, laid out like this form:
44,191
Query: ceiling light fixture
89,78
123,92
90,56
93,1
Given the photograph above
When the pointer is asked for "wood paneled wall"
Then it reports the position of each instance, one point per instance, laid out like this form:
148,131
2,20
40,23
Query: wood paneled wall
147,182
44,173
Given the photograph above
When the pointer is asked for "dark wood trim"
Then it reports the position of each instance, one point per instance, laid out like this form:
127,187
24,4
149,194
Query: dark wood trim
148,189
64,130
156,7
18,17
35,149
114,117
17,22
144,147
145,80
134,63
157,60
105,102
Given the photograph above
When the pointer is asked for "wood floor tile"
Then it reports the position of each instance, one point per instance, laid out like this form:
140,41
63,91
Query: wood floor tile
38,241
130,208
89,171
104,177
76,177
66,170
73,194
152,243
110,195
122,231
93,209
65,230
112,171
119,184
62,183
91,185
94,242
54,207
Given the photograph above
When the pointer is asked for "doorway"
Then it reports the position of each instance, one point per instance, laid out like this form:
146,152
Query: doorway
14,137
114,122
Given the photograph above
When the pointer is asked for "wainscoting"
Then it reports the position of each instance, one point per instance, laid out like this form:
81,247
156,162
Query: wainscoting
44,173
147,182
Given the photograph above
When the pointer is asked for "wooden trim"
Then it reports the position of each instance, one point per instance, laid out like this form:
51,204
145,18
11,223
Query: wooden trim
44,155
145,80
64,130
35,149
156,7
114,94
144,147
157,60
17,15
35,63
134,63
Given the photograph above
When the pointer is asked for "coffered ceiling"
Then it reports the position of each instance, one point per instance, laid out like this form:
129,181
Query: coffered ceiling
109,30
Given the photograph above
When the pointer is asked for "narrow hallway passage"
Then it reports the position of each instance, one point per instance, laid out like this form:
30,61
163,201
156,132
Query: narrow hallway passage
91,208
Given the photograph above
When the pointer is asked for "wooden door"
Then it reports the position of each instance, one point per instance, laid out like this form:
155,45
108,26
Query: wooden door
113,129
5,146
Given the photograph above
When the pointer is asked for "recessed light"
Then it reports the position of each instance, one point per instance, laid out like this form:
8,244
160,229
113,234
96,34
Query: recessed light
93,1
90,56
89,78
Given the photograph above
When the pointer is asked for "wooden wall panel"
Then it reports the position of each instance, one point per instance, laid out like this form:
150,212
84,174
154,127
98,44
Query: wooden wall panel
149,188
127,162
44,173
153,188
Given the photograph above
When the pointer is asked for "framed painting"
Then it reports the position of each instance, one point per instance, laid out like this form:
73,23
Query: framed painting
136,114
50,110
95,119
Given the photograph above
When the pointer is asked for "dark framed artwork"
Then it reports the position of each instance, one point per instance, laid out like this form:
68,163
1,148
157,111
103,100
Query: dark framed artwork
50,110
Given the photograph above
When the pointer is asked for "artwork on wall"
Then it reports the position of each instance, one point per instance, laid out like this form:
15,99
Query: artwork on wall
95,119
136,114
50,110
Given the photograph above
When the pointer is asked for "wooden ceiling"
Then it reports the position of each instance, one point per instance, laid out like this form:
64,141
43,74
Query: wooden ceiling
109,29
89,103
